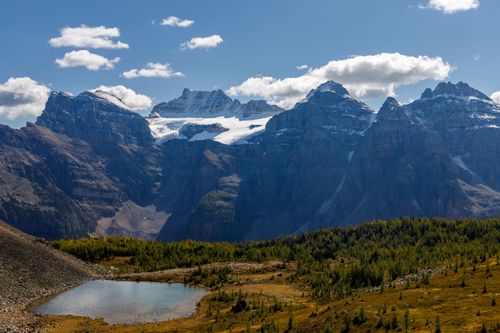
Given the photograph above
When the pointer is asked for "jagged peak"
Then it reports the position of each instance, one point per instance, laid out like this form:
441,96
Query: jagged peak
55,93
260,104
198,103
329,86
460,89
392,110
390,103
217,92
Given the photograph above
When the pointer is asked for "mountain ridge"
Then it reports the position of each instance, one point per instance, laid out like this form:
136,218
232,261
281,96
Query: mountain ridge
92,167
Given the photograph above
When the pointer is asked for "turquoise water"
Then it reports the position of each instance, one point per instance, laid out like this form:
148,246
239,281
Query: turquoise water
125,302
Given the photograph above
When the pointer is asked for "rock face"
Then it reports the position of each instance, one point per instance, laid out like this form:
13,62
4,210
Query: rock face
83,159
333,161
255,109
206,104
198,103
89,165
191,130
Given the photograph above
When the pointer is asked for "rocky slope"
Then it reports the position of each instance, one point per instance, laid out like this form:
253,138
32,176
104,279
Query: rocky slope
29,269
82,161
91,166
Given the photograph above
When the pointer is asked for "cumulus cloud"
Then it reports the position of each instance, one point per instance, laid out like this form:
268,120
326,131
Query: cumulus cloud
452,6
364,76
22,97
129,97
496,97
202,42
173,21
302,67
153,70
90,37
84,58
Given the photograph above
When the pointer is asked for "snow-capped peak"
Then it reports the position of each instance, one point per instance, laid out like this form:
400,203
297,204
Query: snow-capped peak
450,90
198,103
208,112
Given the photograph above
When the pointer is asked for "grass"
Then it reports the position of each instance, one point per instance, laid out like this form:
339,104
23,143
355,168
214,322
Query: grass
275,303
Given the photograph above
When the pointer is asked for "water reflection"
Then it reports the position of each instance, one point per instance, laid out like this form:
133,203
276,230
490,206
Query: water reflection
126,302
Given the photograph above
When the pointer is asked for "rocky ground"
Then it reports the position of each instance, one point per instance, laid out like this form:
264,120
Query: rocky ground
30,269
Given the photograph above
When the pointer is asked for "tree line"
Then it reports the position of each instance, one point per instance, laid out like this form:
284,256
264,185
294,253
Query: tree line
333,262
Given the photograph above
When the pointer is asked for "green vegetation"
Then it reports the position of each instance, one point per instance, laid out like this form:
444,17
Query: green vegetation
333,262
211,278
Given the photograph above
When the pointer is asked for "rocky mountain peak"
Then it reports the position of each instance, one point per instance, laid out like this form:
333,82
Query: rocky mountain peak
329,108
392,110
460,89
200,94
195,103
97,117
198,103
329,86
332,96
259,107
390,104
106,97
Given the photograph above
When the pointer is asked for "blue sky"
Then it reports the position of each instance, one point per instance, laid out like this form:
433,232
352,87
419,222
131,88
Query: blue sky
259,38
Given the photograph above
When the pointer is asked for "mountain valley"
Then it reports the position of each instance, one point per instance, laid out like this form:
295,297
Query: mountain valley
89,166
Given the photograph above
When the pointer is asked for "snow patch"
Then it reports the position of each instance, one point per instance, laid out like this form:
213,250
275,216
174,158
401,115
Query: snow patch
239,130
326,205
349,156
110,98
458,162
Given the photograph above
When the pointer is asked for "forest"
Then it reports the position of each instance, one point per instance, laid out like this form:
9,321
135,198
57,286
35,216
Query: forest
331,262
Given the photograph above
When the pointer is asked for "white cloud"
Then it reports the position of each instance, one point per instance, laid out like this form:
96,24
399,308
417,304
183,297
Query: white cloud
302,67
174,21
128,96
91,61
153,70
496,97
202,42
92,37
364,76
22,97
452,6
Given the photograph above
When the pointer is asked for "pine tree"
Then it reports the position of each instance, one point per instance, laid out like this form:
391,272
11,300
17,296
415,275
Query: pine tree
438,326
394,322
347,324
290,320
406,320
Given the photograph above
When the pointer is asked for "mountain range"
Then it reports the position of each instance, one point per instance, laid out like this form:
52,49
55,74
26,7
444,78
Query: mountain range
206,167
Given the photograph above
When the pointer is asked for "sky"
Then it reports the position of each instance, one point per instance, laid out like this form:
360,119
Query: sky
147,51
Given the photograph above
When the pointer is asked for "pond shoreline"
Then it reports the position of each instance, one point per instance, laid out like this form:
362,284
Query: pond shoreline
177,275
20,318
124,302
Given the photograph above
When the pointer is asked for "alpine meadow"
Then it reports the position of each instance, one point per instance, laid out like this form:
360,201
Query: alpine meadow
251,166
